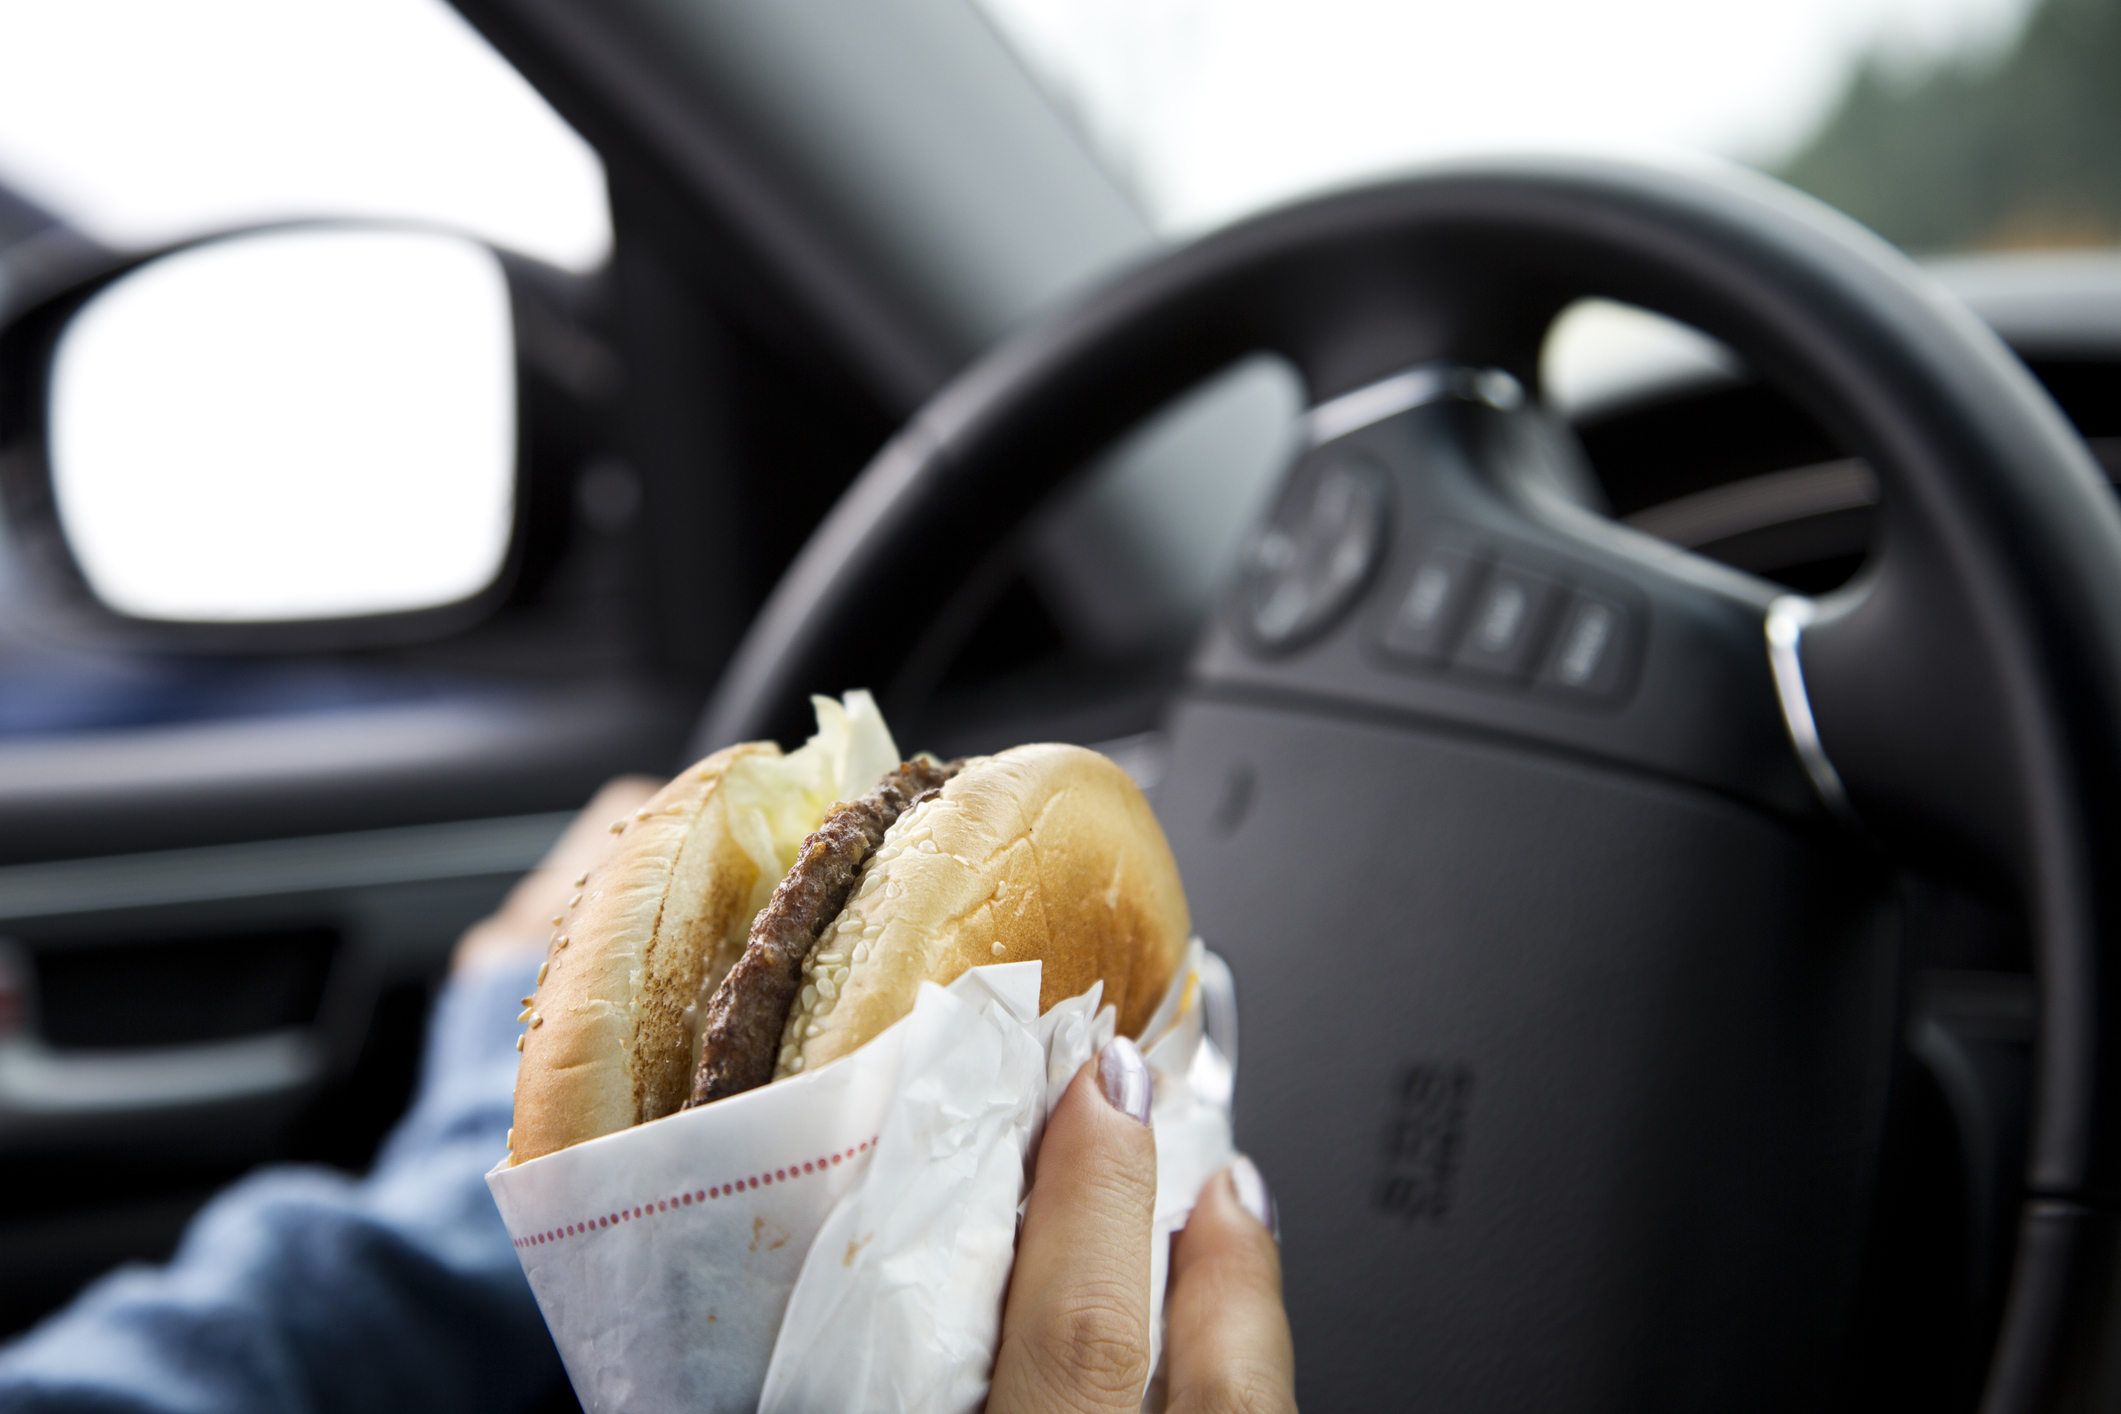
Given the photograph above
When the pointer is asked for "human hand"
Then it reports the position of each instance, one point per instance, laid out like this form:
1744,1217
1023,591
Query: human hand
1075,1330
522,926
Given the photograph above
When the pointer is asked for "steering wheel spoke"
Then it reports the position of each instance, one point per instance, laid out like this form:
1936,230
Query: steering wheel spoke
1499,601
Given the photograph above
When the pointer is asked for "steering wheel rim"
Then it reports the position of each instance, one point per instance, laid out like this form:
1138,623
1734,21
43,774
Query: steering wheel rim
1966,689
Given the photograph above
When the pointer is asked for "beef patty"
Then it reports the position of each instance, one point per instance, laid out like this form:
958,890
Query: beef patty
740,1030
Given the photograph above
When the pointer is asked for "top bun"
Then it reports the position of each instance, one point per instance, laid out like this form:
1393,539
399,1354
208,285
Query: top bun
1046,853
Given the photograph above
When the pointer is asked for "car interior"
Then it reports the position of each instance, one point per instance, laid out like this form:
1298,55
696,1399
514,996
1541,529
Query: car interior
1640,1007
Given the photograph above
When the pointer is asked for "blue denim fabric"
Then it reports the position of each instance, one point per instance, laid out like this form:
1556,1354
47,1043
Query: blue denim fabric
302,1289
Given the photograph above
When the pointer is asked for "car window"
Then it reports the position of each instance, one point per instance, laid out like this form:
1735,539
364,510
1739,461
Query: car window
140,123
1918,116
127,124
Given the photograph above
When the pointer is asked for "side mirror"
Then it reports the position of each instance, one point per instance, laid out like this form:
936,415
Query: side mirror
308,426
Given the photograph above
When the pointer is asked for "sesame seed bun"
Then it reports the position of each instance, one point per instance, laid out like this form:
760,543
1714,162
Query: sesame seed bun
659,924
1042,852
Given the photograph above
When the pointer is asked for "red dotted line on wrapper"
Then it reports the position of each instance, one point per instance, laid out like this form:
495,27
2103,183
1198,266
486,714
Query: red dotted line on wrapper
699,1195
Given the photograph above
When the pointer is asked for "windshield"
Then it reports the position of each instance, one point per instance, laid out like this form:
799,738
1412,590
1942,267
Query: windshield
1944,124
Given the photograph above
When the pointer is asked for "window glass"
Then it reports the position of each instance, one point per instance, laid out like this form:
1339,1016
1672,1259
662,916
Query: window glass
1945,124
143,121
135,123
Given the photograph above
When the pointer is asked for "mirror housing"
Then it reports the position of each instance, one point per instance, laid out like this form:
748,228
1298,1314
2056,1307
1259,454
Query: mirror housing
302,437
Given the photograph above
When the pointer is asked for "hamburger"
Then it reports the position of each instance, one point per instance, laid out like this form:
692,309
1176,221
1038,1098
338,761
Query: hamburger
767,913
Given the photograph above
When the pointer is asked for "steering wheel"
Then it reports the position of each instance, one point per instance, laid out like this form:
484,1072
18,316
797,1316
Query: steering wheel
1559,869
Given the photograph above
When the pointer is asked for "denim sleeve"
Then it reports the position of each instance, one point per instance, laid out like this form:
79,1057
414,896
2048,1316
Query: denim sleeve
302,1289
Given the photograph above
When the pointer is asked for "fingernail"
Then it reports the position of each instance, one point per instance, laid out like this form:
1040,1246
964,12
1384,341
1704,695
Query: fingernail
1124,1077
1254,1196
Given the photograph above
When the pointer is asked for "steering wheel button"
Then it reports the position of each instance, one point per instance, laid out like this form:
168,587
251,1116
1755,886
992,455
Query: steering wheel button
1590,651
1433,608
1509,618
1313,560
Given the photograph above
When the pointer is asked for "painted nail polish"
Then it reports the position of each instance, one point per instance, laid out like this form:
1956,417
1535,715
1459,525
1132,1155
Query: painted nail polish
1254,1196
1124,1077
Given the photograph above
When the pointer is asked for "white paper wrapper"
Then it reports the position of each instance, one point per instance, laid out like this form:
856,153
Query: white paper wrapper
843,1239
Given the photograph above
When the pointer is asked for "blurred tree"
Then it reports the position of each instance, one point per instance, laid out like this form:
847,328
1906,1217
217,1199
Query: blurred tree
2022,151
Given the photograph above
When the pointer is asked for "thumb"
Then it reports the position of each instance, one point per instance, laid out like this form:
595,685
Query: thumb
1075,1330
